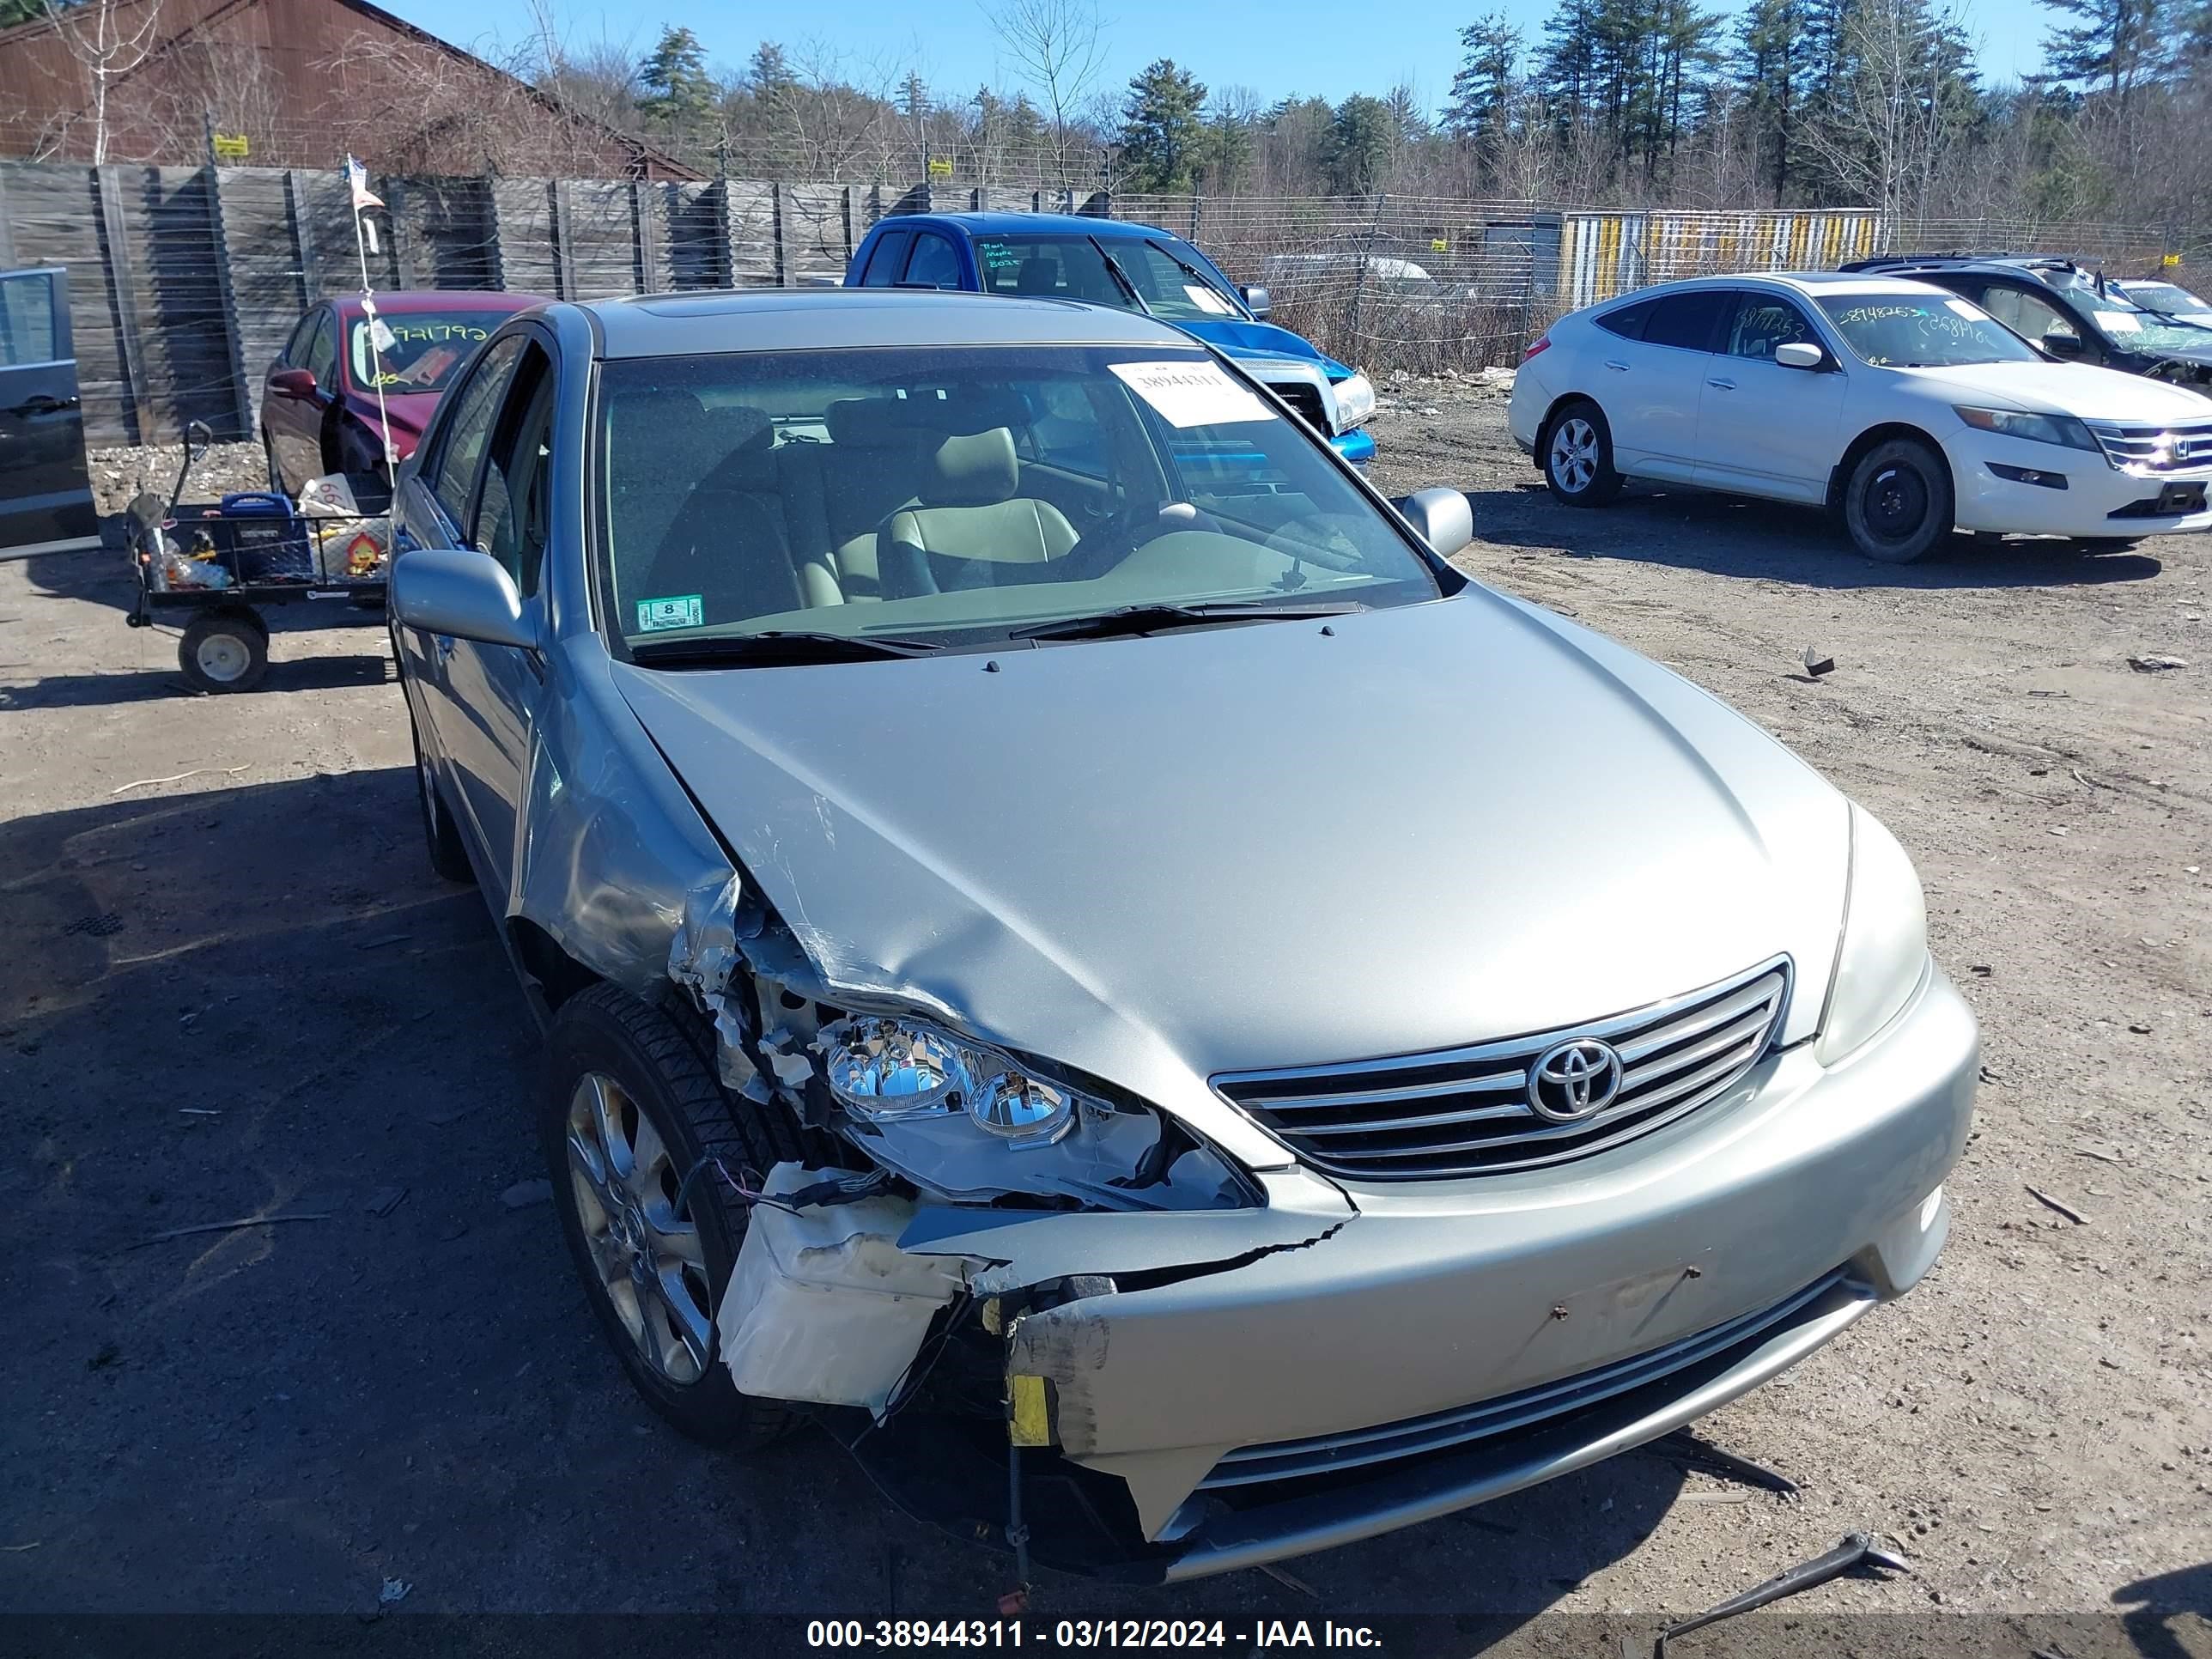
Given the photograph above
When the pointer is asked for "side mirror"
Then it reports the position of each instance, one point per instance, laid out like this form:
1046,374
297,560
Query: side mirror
2063,345
1440,517
292,383
1800,353
1255,301
445,590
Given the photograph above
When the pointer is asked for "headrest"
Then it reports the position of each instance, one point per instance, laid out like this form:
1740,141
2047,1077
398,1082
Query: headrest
740,427
872,423
973,471
653,414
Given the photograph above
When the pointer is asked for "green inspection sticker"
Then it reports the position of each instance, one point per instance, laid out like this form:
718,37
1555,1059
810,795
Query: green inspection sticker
687,611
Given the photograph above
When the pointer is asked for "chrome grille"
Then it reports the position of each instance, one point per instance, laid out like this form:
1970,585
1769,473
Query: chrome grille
1304,398
1446,1431
1467,1111
2155,448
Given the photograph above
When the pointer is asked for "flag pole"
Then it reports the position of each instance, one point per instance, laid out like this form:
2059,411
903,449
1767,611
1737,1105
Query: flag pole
357,188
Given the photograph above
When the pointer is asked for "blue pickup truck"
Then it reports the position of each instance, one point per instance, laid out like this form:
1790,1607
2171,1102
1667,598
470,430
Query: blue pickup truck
1138,268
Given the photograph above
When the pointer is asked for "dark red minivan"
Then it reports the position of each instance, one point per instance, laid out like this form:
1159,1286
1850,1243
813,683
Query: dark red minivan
318,404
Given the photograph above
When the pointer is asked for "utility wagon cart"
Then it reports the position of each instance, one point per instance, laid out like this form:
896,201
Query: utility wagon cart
225,561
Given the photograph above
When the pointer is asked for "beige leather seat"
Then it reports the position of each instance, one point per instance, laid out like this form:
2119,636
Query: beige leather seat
968,527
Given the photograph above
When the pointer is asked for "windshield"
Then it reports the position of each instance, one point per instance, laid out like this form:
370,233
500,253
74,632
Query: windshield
2173,301
421,352
1075,268
1905,329
962,495
2132,328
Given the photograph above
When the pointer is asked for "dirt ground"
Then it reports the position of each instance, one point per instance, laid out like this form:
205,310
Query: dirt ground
230,986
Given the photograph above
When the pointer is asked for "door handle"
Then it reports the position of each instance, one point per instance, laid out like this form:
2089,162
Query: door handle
43,404
1722,385
1616,365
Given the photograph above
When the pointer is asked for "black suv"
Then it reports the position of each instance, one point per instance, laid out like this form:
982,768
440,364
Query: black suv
2065,309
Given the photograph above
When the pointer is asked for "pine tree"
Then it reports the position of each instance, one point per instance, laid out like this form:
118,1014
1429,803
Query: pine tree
2112,46
770,74
1771,77
1482,90
1361,141
1163,133
679,94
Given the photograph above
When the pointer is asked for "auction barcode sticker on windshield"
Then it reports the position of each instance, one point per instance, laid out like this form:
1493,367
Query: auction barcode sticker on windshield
1192,393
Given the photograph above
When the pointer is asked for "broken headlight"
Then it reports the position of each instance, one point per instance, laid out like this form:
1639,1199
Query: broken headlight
965,1120
880,1069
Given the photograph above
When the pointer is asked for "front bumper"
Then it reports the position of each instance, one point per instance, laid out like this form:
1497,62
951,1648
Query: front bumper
1356,447
2099,501
1742,1237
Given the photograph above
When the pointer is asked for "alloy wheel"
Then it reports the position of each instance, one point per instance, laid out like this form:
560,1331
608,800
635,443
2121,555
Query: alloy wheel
1574,454
648,1255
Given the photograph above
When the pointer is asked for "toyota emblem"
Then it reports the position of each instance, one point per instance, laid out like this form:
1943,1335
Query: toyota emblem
1574,1080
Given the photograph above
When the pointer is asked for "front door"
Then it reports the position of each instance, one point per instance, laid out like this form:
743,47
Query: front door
46,492
494,688
295,419
1762,429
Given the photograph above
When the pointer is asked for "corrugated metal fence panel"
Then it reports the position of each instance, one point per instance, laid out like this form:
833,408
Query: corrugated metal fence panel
603,256
183,333
815,222
691,252
523,212
749,208
266,280
1610,253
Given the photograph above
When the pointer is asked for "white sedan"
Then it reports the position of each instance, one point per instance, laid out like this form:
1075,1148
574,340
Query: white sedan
1907,409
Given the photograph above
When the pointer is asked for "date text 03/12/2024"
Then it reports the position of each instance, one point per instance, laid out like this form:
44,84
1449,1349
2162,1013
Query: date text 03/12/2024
1082,1633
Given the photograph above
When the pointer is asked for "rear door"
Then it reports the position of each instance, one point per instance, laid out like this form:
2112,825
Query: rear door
294,422
1762,429
1649,387
46,492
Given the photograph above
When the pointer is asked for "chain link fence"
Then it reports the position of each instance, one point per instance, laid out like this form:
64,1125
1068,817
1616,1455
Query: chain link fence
186,281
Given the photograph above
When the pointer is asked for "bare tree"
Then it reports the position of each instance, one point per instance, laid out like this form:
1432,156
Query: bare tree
109,47
1057,47
1885,129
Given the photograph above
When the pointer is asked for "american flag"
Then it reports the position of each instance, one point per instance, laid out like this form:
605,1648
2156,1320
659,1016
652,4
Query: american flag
358,181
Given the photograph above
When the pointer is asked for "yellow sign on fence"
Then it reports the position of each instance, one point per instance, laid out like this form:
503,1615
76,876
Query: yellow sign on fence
940,168
1438,244
2171,260
231,147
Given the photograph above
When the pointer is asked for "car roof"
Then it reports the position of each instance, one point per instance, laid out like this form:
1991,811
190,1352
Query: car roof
775,320
405,301
1006,224
1808,282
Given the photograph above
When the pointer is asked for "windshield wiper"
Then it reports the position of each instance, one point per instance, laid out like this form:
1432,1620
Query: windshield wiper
1133,619
1189,269
1114,269
776,647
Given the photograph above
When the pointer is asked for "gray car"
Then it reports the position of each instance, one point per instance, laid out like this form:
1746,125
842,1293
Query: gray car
1072,939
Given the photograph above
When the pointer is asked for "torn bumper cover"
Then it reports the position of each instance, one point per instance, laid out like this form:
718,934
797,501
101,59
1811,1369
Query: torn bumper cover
1439,1349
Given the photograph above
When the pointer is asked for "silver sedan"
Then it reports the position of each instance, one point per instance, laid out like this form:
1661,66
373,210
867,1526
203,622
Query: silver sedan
1072,939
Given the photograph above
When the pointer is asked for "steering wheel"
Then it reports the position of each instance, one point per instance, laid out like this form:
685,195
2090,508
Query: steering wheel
1100,549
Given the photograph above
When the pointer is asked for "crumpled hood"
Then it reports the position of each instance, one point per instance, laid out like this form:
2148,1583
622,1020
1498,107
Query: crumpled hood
1241,339
2081,390
1240,848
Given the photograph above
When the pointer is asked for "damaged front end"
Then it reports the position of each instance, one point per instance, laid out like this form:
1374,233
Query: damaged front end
959,1189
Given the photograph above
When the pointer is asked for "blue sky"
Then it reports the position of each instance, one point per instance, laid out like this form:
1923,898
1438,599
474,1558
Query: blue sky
1332,47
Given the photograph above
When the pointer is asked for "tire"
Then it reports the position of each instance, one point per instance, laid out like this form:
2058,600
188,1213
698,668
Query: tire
449,855
1898,503
224,651
614,1061
1577,450
269,454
